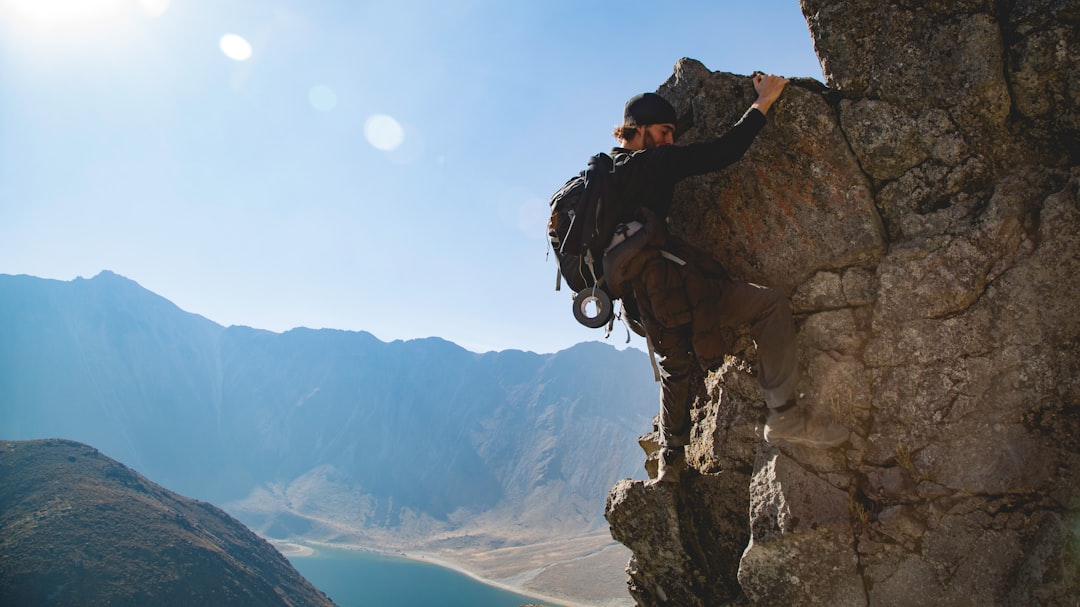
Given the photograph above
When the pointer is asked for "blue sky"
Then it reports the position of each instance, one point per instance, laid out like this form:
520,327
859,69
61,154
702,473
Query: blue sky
380,166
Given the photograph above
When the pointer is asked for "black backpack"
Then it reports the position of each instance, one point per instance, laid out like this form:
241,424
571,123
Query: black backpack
581,226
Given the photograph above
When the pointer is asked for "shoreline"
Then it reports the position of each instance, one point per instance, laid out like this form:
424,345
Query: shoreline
291,549
304,549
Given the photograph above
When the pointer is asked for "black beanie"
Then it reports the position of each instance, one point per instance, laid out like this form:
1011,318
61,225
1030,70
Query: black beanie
648,108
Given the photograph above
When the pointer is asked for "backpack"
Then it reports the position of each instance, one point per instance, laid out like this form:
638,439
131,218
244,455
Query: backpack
582,224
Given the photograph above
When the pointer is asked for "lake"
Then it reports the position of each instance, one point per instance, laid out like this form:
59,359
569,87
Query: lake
352,578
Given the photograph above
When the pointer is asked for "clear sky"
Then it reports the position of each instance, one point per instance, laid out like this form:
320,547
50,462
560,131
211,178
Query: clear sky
379,165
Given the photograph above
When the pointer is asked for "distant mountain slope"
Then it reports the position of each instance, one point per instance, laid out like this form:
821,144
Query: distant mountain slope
379,432
82,529
111,364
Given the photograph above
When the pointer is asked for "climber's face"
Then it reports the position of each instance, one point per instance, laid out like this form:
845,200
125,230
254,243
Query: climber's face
650,136
656,135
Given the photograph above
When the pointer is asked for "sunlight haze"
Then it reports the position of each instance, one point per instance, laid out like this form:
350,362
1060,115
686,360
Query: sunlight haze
381,166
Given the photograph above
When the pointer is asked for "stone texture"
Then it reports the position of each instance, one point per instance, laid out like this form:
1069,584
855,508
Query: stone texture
682,556
921,210
763,215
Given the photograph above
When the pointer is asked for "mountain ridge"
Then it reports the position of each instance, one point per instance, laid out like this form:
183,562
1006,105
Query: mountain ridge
420,428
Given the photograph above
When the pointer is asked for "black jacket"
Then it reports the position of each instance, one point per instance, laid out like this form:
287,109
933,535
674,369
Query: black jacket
647,178
667,297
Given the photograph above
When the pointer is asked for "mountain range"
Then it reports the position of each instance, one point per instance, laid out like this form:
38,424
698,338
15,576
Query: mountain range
323,433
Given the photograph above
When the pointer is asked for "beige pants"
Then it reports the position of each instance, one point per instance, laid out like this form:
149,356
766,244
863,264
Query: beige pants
767,312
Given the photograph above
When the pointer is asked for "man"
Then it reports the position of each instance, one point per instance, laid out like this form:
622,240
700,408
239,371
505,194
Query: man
684,299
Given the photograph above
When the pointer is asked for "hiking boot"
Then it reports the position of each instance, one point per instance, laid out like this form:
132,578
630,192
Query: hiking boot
671,463
794,426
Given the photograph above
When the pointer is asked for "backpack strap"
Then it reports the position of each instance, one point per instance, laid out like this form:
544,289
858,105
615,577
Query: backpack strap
652,359
672,257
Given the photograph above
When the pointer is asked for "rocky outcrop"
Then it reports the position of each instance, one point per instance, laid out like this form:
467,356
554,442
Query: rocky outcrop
921,210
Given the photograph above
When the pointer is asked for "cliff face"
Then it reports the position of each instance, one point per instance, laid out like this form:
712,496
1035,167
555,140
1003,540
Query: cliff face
82,529
921,211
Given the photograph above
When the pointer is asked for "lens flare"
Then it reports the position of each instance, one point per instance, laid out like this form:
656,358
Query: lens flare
383,132
322,98
235,47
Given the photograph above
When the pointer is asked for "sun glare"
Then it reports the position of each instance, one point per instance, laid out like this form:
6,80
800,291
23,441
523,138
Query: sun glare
77,14
51,13
77,17
154,8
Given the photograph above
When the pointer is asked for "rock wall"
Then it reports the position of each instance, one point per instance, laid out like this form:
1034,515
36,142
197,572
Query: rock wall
921,210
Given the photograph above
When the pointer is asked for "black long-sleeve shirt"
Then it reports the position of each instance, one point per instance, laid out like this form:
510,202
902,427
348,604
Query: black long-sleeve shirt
647,178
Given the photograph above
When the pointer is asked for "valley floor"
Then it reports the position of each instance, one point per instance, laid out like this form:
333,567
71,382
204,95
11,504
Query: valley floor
582,572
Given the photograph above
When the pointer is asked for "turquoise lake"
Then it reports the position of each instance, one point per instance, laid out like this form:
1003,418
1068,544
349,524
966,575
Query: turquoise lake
353,578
